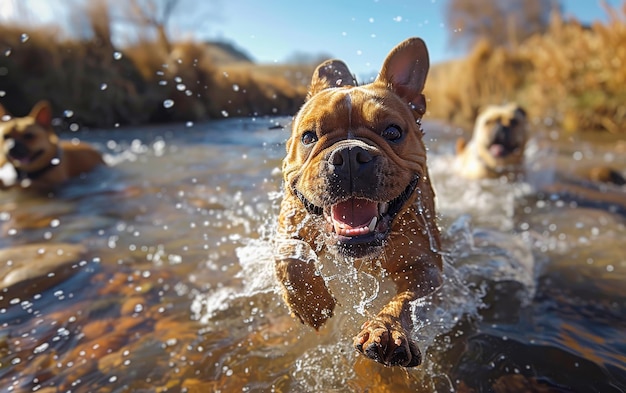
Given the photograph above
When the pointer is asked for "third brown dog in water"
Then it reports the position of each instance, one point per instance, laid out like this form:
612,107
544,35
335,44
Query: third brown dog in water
357,188
40,160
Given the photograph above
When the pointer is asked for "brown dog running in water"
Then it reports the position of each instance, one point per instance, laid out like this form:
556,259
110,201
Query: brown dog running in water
40,159
357,187
497,145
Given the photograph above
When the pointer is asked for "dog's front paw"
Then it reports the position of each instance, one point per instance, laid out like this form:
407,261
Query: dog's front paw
315,310
305,291
388,344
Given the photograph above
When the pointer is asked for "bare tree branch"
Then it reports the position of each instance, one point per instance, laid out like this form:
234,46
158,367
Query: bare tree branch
501,23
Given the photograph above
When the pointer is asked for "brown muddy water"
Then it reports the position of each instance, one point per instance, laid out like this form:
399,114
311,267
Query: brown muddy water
155,275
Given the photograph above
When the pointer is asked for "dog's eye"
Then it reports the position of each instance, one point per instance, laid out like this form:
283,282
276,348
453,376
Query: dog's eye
28,136
392,133
308,138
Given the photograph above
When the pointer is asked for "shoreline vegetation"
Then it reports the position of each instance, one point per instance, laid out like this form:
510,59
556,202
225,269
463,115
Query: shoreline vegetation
572,76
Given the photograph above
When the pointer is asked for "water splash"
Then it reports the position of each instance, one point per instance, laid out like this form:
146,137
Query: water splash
256,260
491,201
426,217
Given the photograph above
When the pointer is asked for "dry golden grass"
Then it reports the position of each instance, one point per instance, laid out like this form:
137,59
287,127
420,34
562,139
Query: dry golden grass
244,89
573,75
103,86
458,89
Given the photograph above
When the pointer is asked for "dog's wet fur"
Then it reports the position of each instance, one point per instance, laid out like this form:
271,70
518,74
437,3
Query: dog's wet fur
357,188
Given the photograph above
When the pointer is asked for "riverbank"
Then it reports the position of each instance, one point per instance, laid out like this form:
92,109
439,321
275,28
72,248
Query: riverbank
571,77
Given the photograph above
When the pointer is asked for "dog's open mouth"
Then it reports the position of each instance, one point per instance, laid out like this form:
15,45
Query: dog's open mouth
357,217
359,223
23,157
504,142
500,150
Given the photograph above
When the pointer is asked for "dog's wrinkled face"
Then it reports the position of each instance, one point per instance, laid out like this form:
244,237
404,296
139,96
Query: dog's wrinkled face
355,157
28,143
500,135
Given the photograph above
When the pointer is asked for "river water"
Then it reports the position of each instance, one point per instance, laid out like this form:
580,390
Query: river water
155,274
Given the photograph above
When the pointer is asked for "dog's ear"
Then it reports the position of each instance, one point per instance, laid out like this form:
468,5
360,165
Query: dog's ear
519,111
331,73
42,113
404,71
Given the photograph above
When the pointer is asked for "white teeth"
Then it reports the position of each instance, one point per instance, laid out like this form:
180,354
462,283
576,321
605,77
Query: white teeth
338,227
383,207
372,225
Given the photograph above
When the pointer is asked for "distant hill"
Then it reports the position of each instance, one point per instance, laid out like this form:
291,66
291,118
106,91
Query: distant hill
226,53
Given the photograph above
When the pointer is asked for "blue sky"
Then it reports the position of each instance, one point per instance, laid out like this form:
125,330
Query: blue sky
359,32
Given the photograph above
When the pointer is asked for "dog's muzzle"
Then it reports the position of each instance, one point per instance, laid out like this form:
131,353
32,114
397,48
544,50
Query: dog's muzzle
504,141
350,199
17,150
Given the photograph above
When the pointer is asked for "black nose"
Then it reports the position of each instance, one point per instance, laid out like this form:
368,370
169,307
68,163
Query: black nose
16,149
350,159
354,169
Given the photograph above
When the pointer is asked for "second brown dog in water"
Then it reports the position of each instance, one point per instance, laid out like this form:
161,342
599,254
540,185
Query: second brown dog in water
41,161
357,188
496,147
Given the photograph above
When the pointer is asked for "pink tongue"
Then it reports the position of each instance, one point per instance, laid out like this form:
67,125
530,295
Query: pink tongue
354,212
496,150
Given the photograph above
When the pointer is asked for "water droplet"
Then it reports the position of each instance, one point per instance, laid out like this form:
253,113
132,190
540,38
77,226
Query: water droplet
2,93
117,55
41,348
74,127
24,37
7,52
180,87
103,86
168,103
68,113
189,124
235,87
225,114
